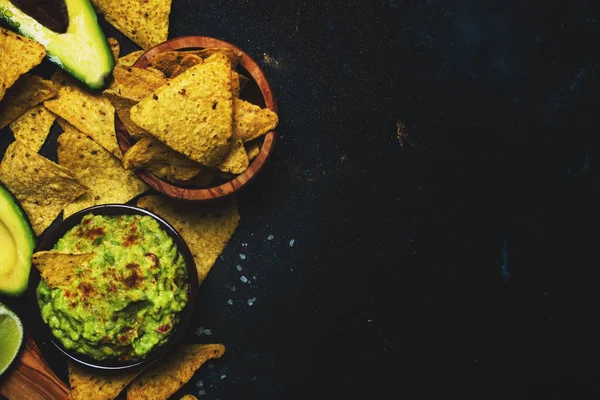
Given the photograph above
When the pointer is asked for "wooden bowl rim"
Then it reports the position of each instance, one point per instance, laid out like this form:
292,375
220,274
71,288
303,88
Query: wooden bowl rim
230,187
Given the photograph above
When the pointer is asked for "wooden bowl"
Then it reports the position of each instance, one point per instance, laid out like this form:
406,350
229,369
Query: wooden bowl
265,95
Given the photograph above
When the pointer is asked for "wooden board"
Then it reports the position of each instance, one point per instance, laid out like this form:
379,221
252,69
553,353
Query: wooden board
31,378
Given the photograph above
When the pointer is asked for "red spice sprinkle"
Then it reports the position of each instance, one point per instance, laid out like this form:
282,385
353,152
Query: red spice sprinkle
163,328
130,240
94,232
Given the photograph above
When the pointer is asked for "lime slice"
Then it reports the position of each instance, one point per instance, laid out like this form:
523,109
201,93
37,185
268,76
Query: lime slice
11,337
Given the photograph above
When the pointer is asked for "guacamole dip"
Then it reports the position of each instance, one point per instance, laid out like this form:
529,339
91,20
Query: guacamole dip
126,300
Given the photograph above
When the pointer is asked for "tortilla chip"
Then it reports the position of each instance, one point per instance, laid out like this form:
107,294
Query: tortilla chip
122,106
57,268
28,92
250,121
234,56
149,150
206,228
91,114
130,59
173,63
89,384
19,55
33,127
235,83
136,83
145,22
43,187
99,170
115,47
173,173
188,397
253,148
192,114
167,376
237,159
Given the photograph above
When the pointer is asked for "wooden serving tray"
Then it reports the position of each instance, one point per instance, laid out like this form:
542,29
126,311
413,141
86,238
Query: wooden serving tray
30,378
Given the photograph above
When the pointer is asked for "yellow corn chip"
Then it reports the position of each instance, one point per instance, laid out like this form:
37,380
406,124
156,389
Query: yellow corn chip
166,376
206,228
130,59
146,22
149,150
32,128
99,170
193,113
188,397
122,106
173,63
43,187
115,47
250,121
235,83
253,148
234,56
173,173
237,159
89,384
29,91
15,47
91,114
57,268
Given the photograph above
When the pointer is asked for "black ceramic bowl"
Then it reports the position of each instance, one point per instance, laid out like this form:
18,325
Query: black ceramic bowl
41,332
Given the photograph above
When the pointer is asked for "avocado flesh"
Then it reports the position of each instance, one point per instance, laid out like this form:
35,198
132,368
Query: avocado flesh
82,51
17,242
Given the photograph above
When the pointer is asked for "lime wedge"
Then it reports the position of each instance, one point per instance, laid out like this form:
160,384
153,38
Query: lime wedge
11,337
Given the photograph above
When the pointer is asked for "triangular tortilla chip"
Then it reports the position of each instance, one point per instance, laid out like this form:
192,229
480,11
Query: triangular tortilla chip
166,376
193,113
173,63
43,187
234,56
89,384
149,150
32,128
188,397
28,92
145,22
237,160
91,114
250,121
19,55
206,228
173,173
122,107
130,59
97,169
58,268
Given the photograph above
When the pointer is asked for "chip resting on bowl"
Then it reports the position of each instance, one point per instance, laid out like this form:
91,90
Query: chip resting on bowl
18,55
44,188
59,268
88,384
193,113
206,228
99,170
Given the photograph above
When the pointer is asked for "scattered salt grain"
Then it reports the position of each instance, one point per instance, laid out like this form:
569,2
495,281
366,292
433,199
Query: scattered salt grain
233,289
243,279
199,331
238,267
244,244
251,301
254,277
201,392
207,332
292,242
270,237
211,366
230,302
200,384
223,376
242,256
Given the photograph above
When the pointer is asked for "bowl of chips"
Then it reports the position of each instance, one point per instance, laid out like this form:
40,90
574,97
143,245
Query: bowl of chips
195,117
107,299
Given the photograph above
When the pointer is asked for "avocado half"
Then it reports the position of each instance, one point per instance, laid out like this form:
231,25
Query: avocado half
82,50
17,242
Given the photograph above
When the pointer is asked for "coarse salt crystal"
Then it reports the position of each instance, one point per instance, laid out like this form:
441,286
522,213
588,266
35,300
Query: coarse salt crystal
207,332
201,392
242,256
230,302
251,301
270,237
292,242
244,244
223,376
199,331
233,288
200,384
243,279
238,267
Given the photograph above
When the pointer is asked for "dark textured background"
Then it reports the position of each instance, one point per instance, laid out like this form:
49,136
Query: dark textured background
436,170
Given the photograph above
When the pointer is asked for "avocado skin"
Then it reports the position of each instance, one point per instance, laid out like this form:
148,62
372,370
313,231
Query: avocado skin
10,210
82,51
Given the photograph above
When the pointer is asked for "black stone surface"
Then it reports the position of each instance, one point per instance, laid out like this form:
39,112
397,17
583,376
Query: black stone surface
436,172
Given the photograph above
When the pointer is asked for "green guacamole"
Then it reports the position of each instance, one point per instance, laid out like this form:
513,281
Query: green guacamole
127,299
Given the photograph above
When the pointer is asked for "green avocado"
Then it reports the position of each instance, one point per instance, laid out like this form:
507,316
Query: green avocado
81,50
17,242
